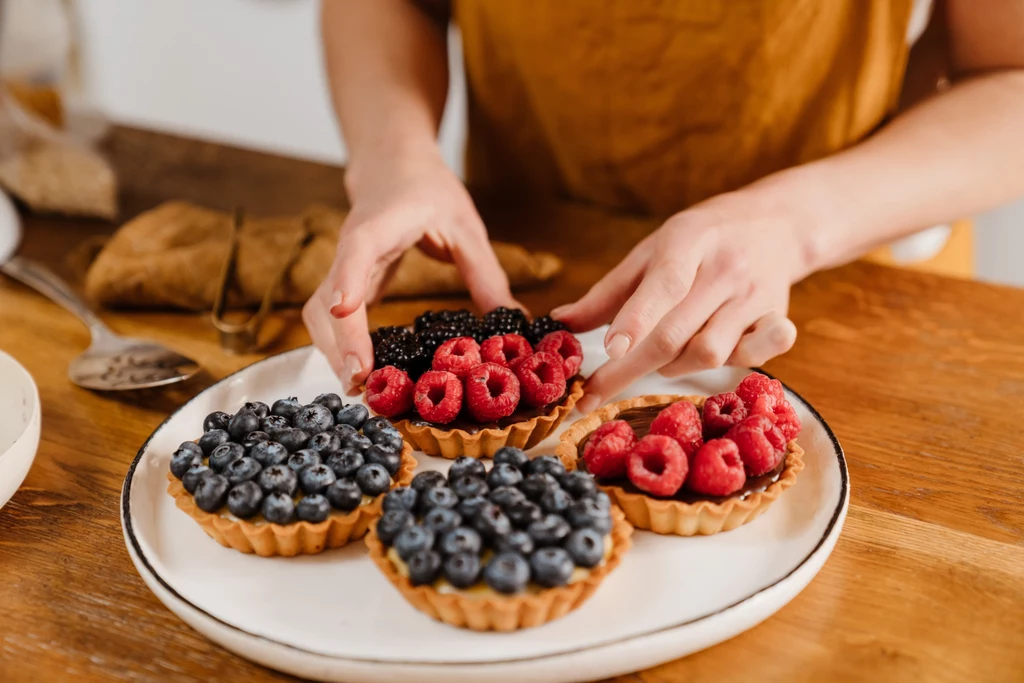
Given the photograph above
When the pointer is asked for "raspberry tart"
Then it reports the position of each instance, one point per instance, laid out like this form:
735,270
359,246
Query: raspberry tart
289,479
459,385
513,547
689,465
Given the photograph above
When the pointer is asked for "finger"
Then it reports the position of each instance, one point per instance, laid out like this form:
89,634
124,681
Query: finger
607,296
712,346
482,272
353,265
344,341
317,321
772,335
661,346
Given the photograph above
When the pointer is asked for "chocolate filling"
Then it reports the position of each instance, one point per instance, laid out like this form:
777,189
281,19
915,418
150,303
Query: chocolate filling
640,420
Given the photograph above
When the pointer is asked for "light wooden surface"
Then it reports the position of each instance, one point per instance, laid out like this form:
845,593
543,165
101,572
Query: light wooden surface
921,377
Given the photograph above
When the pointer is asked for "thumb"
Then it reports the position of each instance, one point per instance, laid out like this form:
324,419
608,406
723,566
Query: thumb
353,266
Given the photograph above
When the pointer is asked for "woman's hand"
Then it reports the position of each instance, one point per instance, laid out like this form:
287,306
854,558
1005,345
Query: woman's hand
710,287
395,205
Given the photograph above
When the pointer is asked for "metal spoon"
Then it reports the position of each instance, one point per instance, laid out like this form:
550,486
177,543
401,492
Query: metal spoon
111,362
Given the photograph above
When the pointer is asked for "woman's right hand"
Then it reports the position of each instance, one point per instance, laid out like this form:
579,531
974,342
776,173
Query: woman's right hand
397,203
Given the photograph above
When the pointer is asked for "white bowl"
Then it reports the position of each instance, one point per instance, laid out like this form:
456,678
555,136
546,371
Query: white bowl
19,425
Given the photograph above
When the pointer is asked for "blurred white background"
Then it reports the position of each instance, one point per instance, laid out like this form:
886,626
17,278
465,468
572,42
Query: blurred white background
249,72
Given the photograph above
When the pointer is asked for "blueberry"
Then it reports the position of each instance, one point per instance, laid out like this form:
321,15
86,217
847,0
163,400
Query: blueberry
462,569
373,479
300,460
257,408
393,523
354,415
241,470
332,402
216,420
470,507
441,520
491,522
413,540
517,542
535,485
438,497
579,484
506,495
375,424
253,438
388,439
548,530
212,439
344,431
345,462
588,514
286,407
424,567
464,466
242,423
401,498
279,479
292,439
427,480
523,513
244,499
273,424
385,458
224,455
603,501
503,475
468,486
194,475
313,508
211,492
316,479
356,442
186,457
507,573
325,442
268,453
278,508
512,456
551,567
555,501
585,547
344,495
461,540
313,419
546,464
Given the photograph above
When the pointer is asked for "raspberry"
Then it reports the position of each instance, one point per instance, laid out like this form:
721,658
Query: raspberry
438,396
565,345
492,392
717,469
781,414
505,350
754,385
541,378
457,356
607,449
681,421
389,391
657,465
760,443
721,412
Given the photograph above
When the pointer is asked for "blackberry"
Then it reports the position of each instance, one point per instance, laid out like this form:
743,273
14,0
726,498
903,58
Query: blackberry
541,327
504,321
405,352
437,334
382,333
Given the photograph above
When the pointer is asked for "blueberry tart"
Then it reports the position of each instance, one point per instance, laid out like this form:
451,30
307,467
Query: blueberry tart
298,480
500,550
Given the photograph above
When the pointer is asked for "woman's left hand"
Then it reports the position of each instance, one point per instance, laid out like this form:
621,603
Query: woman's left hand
709,288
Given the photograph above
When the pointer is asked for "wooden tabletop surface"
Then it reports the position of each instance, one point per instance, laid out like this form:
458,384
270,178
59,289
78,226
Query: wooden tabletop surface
921,377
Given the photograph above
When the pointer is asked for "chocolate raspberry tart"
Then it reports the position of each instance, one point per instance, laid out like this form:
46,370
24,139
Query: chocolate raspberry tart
289,479
458,385
691,465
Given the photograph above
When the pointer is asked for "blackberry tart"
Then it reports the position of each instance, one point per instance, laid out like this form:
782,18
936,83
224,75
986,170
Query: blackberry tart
513,547
458,385
691,465
289,479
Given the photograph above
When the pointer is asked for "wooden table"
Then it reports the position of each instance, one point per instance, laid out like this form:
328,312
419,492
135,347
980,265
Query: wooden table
921,377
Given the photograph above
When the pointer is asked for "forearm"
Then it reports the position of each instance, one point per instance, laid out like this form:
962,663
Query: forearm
952,156
387,65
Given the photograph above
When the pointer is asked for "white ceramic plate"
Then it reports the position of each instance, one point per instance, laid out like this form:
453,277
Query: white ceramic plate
19,425
333,617
10,228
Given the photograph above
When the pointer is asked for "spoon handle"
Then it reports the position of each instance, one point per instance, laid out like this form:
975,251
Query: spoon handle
49,284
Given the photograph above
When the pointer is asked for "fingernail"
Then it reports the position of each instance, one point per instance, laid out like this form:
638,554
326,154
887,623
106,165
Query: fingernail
589,403
560,311
337,299
352,368
618,345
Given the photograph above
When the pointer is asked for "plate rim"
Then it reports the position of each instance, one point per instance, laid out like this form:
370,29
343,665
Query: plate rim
135,550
